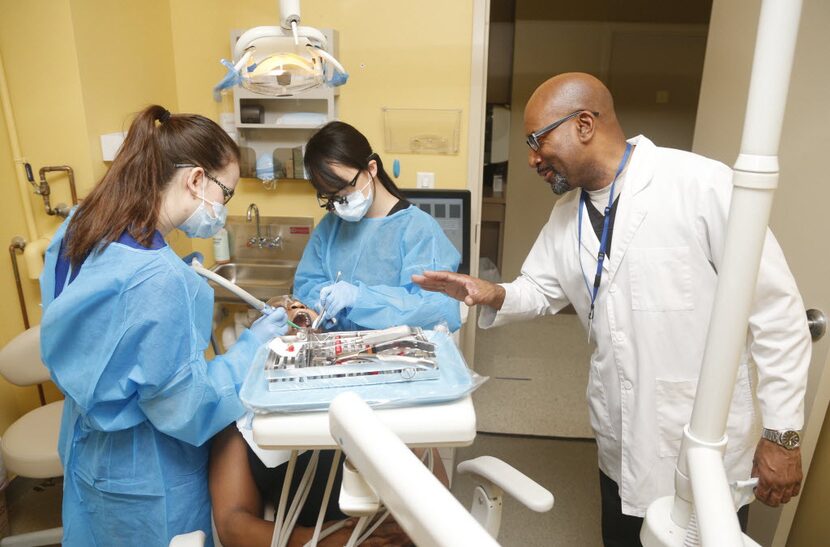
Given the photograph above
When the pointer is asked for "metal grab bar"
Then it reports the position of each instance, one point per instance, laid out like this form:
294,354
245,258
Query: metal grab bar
18,243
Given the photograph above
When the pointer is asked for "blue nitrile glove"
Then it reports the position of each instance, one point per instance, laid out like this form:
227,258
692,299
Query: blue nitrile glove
334,298
197,255
269,326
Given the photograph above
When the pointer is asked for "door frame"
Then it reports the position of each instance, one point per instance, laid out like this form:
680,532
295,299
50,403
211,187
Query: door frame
810,436
475,152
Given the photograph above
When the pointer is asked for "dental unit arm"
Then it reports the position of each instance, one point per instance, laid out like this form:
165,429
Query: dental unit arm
702,511
426,510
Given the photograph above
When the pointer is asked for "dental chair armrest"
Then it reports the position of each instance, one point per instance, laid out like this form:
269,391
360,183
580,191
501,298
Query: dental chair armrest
193,539
511,480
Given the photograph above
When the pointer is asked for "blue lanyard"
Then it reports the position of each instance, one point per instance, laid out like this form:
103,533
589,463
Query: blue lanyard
603,250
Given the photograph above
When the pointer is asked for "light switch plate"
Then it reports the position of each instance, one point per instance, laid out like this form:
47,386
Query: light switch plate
425,179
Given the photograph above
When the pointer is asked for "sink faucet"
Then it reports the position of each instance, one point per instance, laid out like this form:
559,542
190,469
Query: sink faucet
258,240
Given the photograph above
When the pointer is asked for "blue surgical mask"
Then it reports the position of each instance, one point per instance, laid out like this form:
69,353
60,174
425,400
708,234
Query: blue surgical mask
356,204
201,223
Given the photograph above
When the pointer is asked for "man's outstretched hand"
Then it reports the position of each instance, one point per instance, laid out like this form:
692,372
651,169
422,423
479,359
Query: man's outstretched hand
470,290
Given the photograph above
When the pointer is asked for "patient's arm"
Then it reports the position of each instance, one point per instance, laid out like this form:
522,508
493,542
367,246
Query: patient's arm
437,465
237,504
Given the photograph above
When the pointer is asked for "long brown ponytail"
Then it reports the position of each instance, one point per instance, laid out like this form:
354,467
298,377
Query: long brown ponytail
128,197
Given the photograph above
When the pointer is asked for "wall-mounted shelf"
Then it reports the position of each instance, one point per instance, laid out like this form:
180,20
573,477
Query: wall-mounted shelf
277,126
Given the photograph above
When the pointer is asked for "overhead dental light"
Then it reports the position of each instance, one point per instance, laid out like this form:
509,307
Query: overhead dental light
282,61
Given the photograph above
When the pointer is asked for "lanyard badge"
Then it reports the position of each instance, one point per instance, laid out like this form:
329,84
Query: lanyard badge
603,243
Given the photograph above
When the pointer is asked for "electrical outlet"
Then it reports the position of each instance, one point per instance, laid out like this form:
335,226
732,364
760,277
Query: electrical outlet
425,180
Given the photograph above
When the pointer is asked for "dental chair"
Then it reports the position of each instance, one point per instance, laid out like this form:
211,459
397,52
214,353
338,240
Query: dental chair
30,445
427,511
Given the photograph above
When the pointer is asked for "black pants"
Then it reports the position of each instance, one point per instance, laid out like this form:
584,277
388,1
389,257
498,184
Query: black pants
269,482
619,530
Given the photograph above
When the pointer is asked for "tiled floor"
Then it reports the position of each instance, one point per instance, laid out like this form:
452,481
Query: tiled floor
535,403
34,504
568,468
538,372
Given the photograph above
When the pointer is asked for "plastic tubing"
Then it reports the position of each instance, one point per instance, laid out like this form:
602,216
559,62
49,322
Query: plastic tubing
247,297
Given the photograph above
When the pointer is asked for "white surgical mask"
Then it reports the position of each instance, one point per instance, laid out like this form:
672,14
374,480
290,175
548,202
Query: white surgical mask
356,204
201,223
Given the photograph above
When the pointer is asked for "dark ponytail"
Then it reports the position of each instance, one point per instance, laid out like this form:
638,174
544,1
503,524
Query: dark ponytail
340,143
129,195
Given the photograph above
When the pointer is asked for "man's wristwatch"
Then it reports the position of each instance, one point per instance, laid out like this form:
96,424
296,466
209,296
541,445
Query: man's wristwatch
789,438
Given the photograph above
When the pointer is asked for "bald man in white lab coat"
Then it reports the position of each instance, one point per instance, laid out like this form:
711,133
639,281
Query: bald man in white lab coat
659,217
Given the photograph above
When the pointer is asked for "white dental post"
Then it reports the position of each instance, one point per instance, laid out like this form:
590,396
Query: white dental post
702,511
426,510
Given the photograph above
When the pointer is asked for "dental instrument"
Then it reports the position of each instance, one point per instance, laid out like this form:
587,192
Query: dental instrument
293,374
319,320
397,354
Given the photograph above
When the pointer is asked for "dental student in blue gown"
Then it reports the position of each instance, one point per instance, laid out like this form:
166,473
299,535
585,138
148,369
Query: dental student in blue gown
376,240
125,327
374,237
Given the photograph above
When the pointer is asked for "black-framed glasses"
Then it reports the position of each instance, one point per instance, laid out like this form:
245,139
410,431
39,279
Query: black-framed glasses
533,138
328,199
226,192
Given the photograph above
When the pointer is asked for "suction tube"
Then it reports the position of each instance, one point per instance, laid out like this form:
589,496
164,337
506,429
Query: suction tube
247,297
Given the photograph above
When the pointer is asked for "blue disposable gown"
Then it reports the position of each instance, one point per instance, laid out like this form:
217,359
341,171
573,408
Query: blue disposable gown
125,342
379,256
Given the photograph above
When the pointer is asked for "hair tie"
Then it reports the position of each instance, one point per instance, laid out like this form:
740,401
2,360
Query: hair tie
164,116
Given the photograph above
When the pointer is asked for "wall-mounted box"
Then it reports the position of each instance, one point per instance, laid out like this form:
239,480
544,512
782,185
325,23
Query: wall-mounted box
421,130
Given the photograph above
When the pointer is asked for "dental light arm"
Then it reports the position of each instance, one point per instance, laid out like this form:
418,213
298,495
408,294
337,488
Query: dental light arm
282,61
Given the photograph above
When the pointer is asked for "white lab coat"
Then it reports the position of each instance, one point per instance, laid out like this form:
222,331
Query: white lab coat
651,317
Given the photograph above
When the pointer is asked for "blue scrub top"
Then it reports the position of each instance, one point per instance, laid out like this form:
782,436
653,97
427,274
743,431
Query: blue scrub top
124,338
379,256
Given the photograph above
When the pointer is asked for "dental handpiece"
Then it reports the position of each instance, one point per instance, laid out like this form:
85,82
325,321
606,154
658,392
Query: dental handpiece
317,322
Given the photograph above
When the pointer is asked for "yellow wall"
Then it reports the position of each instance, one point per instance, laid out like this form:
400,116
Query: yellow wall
80,68
44,86
423,63
93,64
123,51
11,321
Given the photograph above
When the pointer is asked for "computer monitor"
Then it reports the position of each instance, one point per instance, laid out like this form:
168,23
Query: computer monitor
451,208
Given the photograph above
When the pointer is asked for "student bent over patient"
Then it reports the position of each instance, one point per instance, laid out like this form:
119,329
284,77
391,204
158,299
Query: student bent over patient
358,266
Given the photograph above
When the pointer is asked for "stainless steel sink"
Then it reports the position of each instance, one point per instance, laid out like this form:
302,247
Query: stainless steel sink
263,280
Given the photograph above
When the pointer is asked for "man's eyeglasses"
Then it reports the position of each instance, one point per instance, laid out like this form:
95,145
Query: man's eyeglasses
328,199
227,192
533,138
